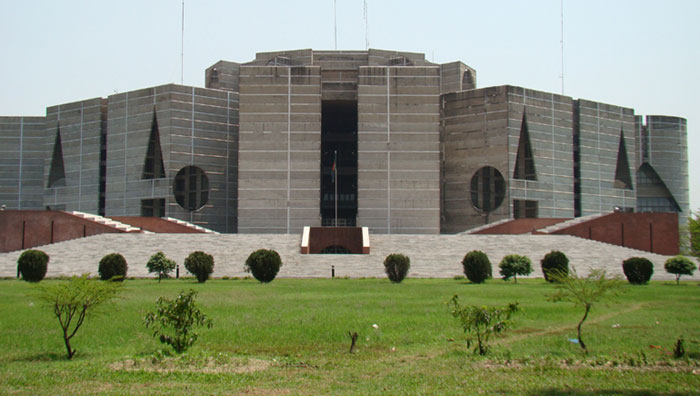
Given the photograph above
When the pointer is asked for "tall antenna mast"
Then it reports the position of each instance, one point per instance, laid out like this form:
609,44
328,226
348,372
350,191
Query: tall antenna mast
365,13
182,47
562,47
335,23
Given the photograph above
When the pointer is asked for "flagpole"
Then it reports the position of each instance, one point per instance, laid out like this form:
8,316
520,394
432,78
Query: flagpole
335,182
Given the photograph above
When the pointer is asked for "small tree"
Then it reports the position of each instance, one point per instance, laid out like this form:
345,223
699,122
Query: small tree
32,264
173,320
73,301
680,265
513,265
584,291
113,267
263,264
160,265
554,261
482,321
200,264
694,231
477,266
396,267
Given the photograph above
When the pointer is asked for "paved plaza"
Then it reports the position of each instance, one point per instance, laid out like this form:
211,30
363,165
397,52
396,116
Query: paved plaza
432,256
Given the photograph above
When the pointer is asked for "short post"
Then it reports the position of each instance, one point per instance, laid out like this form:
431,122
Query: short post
332,271
177,272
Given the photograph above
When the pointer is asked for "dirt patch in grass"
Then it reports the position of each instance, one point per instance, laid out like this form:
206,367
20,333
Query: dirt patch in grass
596,364
217,364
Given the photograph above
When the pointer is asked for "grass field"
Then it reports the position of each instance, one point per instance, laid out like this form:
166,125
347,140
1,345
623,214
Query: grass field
291,337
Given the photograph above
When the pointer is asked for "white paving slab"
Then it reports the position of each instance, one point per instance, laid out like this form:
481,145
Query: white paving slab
433,256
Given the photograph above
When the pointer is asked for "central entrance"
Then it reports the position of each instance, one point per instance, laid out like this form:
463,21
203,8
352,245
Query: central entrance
339,147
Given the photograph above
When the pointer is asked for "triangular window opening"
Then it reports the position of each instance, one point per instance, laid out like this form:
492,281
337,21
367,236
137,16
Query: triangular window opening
652,193
57,172
623,178
524,161
153,165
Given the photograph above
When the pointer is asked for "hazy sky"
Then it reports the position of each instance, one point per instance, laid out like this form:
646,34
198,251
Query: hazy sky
641,54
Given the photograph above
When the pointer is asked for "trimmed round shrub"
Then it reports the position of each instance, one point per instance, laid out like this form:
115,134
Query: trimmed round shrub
113,267
263,264
554,262
513,265
477,266
680,265
200,264
638,270
396,267
32,264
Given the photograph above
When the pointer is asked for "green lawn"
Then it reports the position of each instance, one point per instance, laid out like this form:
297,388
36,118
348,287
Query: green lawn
291,337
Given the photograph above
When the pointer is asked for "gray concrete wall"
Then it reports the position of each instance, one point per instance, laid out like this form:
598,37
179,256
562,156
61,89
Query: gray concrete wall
197,126
668,154
222,75
22,153
600,128
549,120
398,149
279,151
456,76
80,125
474,125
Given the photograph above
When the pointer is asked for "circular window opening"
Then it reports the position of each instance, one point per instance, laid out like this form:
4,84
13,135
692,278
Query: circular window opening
488,188
191,188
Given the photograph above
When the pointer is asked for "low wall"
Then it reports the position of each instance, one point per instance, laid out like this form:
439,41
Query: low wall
25,229
651,232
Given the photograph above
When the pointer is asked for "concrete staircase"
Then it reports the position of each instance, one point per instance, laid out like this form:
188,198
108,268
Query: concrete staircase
432,256
485,226
190,225
106,221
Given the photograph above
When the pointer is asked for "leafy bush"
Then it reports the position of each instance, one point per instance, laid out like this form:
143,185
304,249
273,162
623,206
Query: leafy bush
173,320
477,266
200,264
513,265
32,264
396,267
160,265
482,321
263,264
554,262
75,300
680,265
113,267
638,270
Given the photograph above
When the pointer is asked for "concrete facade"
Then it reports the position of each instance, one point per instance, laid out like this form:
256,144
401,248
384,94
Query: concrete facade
194,127
662,165
74,137
411,147
22,162
578,150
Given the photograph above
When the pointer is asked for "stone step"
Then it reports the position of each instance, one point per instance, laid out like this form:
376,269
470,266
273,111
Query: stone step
106,221
432,256
190,225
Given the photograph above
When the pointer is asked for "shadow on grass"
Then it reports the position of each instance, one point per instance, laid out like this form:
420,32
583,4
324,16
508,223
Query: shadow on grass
41,357
607,392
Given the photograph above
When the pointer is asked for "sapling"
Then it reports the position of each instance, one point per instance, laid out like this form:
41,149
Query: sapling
584,291
173,320
482,321
73,301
